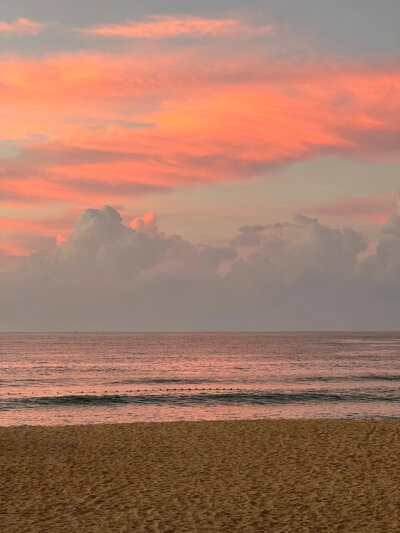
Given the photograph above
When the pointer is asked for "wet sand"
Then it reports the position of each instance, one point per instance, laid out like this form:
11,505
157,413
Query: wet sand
244,476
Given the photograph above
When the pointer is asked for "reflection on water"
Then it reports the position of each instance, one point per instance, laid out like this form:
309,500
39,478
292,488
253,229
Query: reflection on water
50,379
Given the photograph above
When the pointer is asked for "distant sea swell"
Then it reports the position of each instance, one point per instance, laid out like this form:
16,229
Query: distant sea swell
57,379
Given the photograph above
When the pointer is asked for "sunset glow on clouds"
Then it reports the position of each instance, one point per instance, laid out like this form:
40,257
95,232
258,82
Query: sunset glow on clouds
299,274
237,97
158,27
208,130
21,26
121,122
375,208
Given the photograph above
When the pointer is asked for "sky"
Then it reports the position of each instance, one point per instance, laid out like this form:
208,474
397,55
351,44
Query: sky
204,165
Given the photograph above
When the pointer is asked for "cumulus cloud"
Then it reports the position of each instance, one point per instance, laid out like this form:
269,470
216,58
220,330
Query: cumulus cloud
304,246
295,275
146,224
386,262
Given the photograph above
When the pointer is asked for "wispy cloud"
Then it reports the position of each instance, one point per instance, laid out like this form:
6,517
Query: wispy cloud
158,27
375,209
21,26
213,120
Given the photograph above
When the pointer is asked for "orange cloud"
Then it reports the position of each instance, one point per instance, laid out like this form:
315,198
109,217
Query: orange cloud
145,224
10,249
158,27
19,236
21,26
16,223
98,128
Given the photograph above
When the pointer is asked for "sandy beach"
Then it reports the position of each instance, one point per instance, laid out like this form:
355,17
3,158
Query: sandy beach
245,476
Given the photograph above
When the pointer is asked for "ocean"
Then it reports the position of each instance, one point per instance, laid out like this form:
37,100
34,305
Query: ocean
90,378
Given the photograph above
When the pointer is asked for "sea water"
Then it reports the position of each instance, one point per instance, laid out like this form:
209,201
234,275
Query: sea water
88,378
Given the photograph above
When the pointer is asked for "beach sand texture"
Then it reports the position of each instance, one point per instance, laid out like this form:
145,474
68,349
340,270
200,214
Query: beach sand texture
244,476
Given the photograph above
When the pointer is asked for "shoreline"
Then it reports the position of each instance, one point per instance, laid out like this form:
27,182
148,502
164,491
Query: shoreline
202,421
241,475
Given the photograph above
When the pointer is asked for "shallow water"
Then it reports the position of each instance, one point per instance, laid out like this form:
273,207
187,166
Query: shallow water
51,379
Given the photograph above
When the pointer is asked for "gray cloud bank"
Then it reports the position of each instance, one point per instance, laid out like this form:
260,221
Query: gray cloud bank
300,275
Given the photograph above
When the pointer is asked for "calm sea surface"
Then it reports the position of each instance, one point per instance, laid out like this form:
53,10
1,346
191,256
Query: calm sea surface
51,379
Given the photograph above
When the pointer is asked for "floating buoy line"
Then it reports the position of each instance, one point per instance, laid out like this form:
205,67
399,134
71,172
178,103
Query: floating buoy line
126,391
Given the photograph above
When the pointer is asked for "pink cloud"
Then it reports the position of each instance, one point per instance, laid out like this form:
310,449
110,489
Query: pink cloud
20,236
10,249
375,209
77,119
21,26
145,224
158,27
